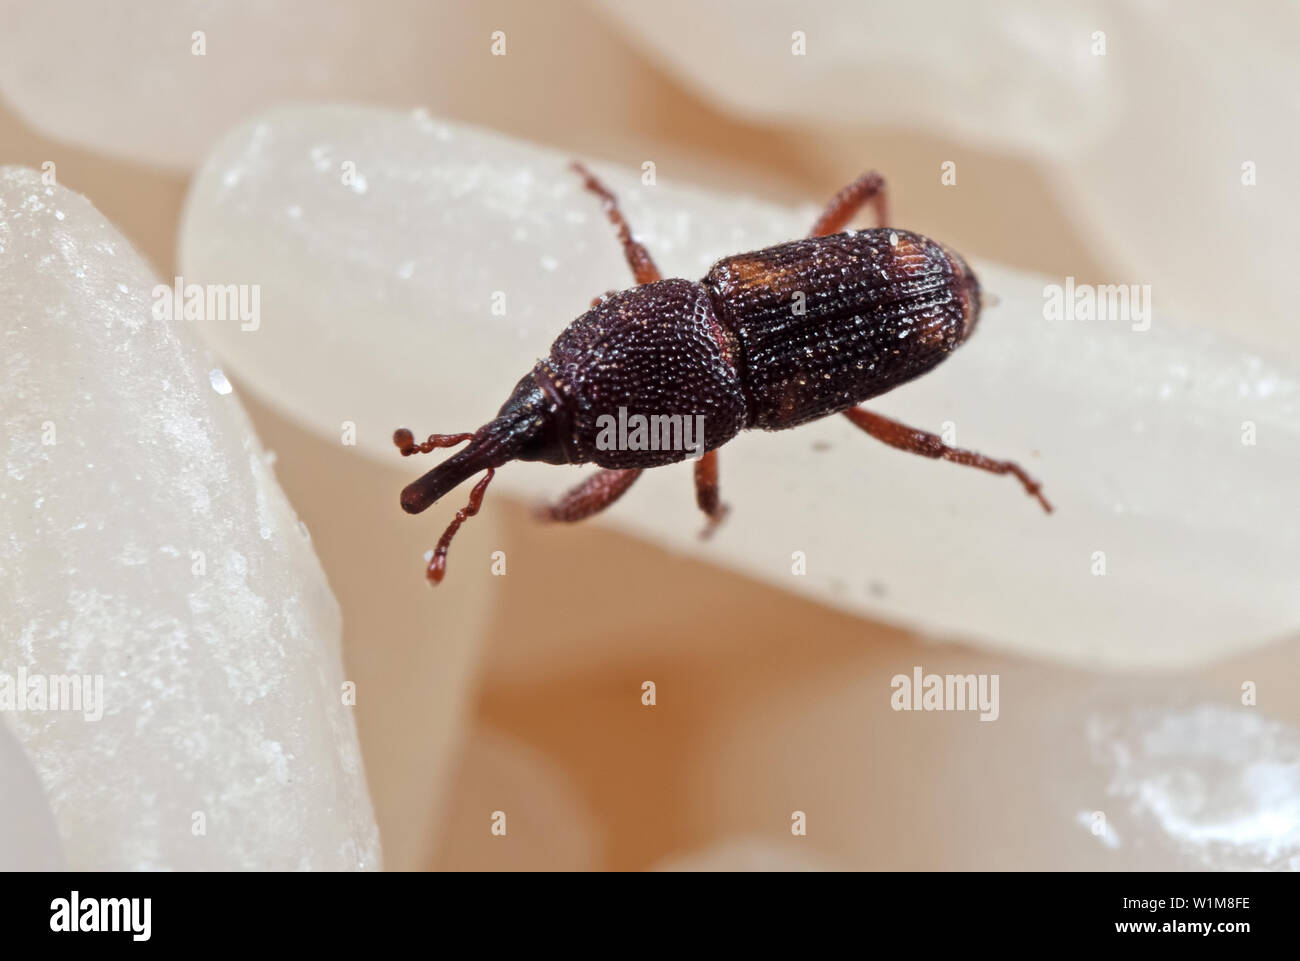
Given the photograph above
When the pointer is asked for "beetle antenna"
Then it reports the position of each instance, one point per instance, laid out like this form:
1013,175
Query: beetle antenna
438,561
405,441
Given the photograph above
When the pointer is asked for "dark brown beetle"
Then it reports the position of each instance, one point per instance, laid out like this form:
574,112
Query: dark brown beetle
770,339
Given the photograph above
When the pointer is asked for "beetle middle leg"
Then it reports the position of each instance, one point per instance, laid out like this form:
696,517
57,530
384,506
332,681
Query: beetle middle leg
869,188
638,258
931,445
706,492
590,497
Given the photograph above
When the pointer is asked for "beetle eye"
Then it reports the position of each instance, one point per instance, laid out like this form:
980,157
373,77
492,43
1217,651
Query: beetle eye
534,417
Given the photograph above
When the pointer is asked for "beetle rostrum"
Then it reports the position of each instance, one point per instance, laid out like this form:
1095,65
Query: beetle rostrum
770,340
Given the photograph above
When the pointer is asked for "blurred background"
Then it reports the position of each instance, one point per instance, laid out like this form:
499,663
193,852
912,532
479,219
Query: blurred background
1103,141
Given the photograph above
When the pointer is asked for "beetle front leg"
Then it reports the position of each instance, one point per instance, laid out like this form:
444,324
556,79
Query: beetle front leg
869,188
590,497
638,258
706,492
931,445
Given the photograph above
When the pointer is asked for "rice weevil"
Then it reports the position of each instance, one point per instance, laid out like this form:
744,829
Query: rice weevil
876,308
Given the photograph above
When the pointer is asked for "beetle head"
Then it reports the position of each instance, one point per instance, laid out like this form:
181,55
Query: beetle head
529,426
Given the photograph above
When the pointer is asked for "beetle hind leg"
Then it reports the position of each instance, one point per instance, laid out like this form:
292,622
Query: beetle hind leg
638,258
590,497
706,492
869,188
926,444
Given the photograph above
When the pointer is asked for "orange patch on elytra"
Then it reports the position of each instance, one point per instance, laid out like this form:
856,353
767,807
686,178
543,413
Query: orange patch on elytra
756,273
905,248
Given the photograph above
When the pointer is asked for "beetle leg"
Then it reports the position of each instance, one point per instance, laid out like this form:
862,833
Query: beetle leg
931,445
590,497
869,188
438,562
706,492
638,258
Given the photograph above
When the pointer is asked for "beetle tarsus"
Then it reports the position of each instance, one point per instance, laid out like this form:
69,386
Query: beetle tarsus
713,520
